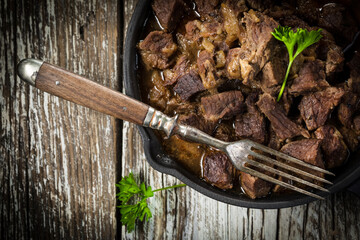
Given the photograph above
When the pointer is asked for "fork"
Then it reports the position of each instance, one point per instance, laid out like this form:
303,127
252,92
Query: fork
77,89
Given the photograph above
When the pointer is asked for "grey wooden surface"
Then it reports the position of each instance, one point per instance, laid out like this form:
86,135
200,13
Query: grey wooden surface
59,161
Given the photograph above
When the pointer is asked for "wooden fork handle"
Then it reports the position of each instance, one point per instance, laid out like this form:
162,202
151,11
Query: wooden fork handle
77,89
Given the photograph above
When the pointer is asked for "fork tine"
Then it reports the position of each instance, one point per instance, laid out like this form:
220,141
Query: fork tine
288,167
276,181
283,174
289,158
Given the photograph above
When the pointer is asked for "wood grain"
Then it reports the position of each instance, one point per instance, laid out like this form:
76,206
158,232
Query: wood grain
82,91
58,160
187,214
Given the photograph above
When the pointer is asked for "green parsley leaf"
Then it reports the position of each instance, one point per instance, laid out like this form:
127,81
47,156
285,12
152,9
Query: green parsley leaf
129,190
302,39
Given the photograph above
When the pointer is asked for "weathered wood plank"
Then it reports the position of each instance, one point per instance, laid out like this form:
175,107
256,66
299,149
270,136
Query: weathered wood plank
58,160
186,214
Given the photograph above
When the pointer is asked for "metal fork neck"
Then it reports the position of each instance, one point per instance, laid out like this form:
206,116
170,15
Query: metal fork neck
159,121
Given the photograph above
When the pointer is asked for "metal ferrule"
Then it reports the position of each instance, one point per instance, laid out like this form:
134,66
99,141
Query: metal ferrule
159,121
28,68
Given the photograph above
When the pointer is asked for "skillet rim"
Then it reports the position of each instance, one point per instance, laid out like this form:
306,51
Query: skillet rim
164,164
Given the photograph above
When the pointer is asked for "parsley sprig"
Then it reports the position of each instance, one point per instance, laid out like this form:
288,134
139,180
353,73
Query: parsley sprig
302,39
130,190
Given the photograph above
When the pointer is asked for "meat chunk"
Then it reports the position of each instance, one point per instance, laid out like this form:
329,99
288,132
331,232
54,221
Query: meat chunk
354,80
338,20
273,72
252,124
254,187
332,145
294,22
218,170
332,54
356,124
350,137
259,5
308,9
181,67
281,124
307,150
259,44
207,70
274,141
347,108
198,121
225,133
222,105
206,7
334,60
157,48
188,84
158,94
311,78
316,107
168,12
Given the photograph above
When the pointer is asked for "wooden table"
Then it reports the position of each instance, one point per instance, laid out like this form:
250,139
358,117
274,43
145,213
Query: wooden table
60,162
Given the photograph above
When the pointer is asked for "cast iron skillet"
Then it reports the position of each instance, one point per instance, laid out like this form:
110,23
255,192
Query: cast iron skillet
156,157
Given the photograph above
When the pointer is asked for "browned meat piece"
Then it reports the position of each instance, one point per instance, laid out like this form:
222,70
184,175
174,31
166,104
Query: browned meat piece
332,54
280,12
251,125
188,84
281,124
334,60
354,80
338,20
308,9
332,145
311,78
222,105
350,137
356,124
157,48
294,22
274,141
181,67
254,187
316,107
168,12
198,121
159,94
259,5
207,70
218,170
307,150
272,75
347,108
232,65
259,44
225,133
205,7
